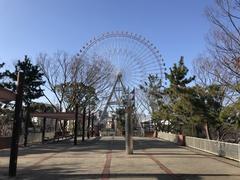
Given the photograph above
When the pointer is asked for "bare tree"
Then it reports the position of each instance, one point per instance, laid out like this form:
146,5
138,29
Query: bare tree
57,72
224,40
208,73
203,69
62,70
96,73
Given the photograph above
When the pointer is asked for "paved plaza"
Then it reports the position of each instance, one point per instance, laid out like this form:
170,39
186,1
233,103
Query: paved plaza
105,158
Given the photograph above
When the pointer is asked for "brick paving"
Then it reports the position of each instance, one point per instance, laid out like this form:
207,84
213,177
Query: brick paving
105,158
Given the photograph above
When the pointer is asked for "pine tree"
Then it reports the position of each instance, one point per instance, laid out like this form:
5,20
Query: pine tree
33,80
207,104
1,73
177,76
178,94
32,89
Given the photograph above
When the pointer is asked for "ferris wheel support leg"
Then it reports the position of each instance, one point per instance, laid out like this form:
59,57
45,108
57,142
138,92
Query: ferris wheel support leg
128,132
109,99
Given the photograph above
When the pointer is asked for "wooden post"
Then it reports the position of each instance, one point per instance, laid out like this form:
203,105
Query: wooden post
76,125
88,125
16,127
92,126
43,128
83,123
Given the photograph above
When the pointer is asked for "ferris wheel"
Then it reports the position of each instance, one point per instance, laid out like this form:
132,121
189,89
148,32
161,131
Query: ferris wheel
132,57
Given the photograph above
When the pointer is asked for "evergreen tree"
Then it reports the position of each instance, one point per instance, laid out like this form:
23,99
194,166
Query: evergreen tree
229,121
207,104
1,73
33,80
178,94
32,89
177,76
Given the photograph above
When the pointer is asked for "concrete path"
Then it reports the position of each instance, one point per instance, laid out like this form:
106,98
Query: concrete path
105,158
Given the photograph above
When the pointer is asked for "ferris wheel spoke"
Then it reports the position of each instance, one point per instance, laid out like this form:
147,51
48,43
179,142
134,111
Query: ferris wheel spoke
129,54
145,57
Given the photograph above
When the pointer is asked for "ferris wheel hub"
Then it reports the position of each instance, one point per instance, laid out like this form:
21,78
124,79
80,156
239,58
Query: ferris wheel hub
119,75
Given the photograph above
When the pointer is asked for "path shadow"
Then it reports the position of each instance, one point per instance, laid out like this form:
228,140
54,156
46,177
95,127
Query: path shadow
101,145
66,174
52,147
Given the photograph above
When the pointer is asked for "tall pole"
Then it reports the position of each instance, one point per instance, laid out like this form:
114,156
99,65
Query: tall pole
76,124
16,127
88,125
92,125
83,123
128,130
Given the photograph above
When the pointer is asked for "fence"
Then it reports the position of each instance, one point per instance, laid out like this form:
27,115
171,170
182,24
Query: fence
223,149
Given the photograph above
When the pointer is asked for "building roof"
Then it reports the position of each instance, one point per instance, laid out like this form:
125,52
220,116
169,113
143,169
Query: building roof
55,115
6,95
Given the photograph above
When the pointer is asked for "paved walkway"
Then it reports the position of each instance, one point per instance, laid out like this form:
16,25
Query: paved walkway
106,159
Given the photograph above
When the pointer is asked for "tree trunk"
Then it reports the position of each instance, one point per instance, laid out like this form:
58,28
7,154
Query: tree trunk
92,125
83,123
168,128
155,133
88,125
198,130
27,120
65,124
56,124
206,129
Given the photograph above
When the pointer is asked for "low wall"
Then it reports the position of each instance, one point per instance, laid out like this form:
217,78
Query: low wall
36,137
175,138
168,136
107,133
224,149
32,138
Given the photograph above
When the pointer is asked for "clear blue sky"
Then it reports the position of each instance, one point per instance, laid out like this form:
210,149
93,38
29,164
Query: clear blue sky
29,27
